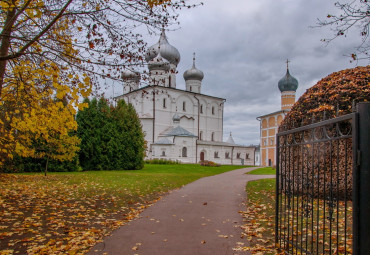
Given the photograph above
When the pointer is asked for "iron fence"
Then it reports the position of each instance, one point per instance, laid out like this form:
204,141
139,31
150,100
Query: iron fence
318,184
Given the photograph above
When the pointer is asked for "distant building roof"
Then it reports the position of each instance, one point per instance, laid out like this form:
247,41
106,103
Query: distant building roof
178,131
164,141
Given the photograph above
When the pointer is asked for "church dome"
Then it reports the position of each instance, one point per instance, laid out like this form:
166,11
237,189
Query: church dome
176,118
158,63
167,51
193,73
288,83
130,75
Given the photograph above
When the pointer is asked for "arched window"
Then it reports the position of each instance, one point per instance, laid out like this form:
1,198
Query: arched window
227,154
184,152
201,108
184,106
247,156
201,135
216,154
213,110
238,155
213,136
163,153
164,102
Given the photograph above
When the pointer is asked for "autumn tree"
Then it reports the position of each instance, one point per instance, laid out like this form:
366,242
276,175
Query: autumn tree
58,49
111,137
353,15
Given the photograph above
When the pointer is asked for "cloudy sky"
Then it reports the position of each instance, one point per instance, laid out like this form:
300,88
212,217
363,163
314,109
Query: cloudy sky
242,45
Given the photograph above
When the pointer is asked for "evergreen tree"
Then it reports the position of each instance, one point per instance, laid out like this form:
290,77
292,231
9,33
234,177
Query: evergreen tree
111,137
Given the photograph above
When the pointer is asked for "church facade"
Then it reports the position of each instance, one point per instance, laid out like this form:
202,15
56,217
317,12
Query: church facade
269,123
181,125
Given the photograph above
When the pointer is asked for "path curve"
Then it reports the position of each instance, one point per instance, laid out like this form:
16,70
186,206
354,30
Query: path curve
199,218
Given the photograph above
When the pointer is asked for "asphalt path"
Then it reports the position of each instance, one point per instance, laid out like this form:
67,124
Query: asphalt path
200,218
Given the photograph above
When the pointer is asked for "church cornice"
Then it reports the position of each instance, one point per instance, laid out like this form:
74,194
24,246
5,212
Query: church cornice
167,88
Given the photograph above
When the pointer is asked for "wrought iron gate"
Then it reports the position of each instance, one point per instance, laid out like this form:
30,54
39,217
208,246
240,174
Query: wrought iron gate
322,198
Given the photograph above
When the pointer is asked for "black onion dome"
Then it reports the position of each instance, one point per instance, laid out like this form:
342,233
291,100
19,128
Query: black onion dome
288,83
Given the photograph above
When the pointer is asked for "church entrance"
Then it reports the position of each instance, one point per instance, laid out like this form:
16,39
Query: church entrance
202,156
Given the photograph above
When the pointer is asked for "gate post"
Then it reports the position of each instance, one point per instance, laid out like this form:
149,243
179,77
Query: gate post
363,174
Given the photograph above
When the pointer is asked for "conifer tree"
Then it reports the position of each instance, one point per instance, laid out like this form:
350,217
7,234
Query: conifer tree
111,137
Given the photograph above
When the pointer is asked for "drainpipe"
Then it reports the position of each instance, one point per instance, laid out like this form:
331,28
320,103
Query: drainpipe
222,120
232,155
196,141
153,113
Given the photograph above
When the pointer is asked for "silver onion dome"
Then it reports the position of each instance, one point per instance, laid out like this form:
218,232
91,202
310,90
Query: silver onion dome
130,75
193,73
158,63
167,51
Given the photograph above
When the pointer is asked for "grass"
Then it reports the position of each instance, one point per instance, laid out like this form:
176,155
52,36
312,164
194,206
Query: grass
263,171
258,225
72,211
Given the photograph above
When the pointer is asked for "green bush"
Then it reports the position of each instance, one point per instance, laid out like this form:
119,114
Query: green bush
22,164
162,161
111,136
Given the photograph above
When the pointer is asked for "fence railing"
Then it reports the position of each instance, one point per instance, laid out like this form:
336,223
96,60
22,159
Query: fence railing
321,170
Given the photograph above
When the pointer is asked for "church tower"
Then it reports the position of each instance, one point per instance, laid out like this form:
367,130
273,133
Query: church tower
162,59
193,78
288,86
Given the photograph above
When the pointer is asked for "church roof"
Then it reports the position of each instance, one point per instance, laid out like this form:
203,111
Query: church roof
178,131
164,141
230,139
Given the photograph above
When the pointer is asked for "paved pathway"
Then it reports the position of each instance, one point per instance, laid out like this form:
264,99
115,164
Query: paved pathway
200,218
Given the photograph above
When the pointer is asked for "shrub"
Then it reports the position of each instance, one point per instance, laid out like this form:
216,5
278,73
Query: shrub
331,97
208,163
162,161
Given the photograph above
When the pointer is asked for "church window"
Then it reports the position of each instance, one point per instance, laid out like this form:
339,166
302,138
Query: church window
227,154
216,154
201,135
213,136
184,106
247,156
163,153
164,102
213,110
201,108
184,152
238,155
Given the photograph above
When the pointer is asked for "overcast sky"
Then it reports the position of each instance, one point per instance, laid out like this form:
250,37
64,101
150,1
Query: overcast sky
242,45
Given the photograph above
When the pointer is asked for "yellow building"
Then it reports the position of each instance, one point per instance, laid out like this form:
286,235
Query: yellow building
269,123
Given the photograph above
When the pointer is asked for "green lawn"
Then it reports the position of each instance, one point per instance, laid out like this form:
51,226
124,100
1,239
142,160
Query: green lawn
259,217
263,171
72,211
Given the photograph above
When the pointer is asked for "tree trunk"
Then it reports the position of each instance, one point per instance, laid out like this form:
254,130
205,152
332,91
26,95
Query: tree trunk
47,163
5,43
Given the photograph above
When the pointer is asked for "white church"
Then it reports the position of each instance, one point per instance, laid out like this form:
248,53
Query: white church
180,125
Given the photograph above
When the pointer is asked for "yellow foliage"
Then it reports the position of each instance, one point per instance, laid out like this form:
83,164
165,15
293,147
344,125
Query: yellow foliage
39,98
